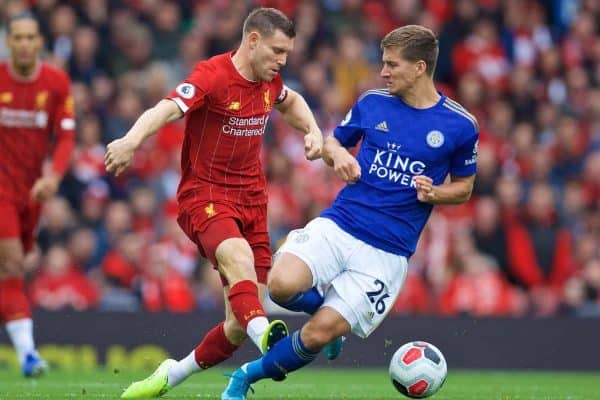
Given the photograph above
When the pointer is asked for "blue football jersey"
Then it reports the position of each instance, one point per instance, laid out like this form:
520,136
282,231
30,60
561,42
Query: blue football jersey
398,143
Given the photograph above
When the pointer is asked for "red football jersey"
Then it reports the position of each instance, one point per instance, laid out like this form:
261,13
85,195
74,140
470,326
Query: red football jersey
32,111
226,119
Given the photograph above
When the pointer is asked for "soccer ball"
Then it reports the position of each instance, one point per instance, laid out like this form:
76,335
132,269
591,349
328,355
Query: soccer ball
418,369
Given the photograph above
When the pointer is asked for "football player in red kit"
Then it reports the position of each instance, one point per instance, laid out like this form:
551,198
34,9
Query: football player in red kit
222,195
36,117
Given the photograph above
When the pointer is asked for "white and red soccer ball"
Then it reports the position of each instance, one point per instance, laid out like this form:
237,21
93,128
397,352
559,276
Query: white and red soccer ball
418,369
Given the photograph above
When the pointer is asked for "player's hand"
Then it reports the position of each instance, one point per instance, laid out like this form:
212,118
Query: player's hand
45,187
313,144
119,154
346,166
425,188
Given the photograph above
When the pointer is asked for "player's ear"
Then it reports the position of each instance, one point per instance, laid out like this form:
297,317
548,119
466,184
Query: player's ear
7,38
41,42
253,39
421,67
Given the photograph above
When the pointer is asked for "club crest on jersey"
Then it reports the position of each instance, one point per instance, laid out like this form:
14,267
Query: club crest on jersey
69,105
210,210
6,97
435,139
234,106
40,100
186,90
268,100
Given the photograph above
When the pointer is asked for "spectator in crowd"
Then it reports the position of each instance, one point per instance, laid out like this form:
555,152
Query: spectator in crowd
61,284
162,287
540,249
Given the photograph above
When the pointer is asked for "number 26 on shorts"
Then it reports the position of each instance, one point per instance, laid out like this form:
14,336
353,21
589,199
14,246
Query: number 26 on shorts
377,296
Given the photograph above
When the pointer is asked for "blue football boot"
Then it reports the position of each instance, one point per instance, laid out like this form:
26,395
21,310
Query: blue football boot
34,365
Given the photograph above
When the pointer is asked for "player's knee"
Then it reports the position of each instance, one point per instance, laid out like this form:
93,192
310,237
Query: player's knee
288,277
280,289
316,335
236,261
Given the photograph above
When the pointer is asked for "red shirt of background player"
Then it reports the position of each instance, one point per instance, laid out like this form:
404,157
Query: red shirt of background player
36,114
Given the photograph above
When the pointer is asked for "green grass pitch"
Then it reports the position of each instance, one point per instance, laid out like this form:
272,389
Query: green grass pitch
323,383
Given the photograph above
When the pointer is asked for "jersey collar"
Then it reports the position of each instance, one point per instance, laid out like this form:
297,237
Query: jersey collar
13,74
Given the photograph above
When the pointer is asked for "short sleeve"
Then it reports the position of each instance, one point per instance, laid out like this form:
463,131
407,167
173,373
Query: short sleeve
280,89
65,113
464,158
193,91
349,131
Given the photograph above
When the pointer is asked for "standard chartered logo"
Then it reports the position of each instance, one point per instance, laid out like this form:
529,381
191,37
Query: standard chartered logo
387,164
252,126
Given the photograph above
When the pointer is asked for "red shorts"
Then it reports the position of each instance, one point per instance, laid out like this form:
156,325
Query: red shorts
19,221
209,223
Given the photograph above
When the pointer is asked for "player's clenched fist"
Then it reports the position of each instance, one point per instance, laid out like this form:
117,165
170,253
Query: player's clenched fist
313,144
425,188
119,154
346,166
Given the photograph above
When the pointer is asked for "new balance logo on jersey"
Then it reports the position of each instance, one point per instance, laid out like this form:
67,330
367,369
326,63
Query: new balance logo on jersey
382,126
40,100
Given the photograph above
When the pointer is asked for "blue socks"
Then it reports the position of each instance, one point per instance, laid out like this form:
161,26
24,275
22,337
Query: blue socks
289,354
308,301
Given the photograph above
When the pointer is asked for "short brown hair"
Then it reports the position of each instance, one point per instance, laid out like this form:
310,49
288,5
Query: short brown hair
268,20
416,43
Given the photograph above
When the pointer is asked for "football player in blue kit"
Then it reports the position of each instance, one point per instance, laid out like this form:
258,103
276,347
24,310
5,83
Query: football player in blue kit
347,266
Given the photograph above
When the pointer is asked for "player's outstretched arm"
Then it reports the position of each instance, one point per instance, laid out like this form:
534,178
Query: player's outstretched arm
344,164
119,153
457,191
296,112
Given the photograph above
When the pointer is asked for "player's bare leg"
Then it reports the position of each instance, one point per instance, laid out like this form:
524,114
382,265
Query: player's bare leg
15,312
236,263
289,276
290,286
217,346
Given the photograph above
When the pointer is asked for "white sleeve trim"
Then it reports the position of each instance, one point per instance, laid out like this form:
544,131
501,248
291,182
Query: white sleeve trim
182,106
282,95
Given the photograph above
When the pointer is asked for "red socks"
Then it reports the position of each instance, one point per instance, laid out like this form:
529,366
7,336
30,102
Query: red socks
245,305
214,348
13,302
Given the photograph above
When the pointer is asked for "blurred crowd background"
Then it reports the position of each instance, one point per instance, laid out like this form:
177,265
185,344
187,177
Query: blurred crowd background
527,244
